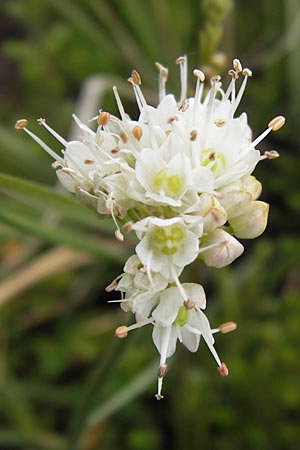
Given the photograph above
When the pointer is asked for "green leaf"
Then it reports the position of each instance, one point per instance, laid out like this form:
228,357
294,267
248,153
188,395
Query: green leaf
99,248
47,199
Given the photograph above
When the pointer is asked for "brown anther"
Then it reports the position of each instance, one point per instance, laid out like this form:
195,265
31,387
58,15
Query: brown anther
223,371
193,135
162,70
115,150
276,123
172,119
112,286
181,59
118,209
127,227
189,304
236,63
162,370
121,332
88,161
137,132
233,74
199,74
247,72
135,76
271,154
168,132
123,136
184,105
125,306
21,123
219,122
103,118
41,121
227,327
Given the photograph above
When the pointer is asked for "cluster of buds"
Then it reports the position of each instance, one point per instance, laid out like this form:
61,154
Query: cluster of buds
180,178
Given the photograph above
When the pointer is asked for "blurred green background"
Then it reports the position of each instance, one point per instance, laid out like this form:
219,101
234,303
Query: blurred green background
65,382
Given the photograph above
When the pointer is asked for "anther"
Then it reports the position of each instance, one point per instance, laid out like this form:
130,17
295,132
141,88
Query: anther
123,136
181,59
41,121
271,154
223,370
103,118
136,79
20,124
193,135
236,63
162,70
162,370
121,332
199,74
137,132
184,105
247,72
119,236
227,327
159,396
56,165
233,74
219,122
216,78
112,286
172,119
276,123
115,150
127,227
88,161
189,304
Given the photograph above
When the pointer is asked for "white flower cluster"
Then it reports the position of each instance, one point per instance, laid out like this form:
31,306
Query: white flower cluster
180,178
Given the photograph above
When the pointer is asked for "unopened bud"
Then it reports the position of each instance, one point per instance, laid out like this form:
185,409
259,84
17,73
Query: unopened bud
162,370
121,332
103,118
224,249
252,222
276,123
137,132
20,124
223,371
227,327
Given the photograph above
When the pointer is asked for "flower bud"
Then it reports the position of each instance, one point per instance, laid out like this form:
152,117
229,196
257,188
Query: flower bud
235,202
225,249
214,215
253,186
252,222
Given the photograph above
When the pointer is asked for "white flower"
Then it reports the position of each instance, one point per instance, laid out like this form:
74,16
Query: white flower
166,246
220,249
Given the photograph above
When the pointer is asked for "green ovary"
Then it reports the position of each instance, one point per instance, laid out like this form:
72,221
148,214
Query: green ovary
214,159
170,184
168,239
182,316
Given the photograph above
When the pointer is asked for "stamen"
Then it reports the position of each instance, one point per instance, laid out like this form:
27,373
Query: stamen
189,304
60,139
163,77
166,334
21,125
111,287
103,118
270,154
182,61
227,327
121,332
199,87
135,80
110,205
223,370
236,63
247,73
137,132
119,104
276,123
177,282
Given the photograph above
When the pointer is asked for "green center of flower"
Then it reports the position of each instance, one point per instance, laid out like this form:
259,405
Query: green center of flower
182,316
168,239
215,160
170,184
